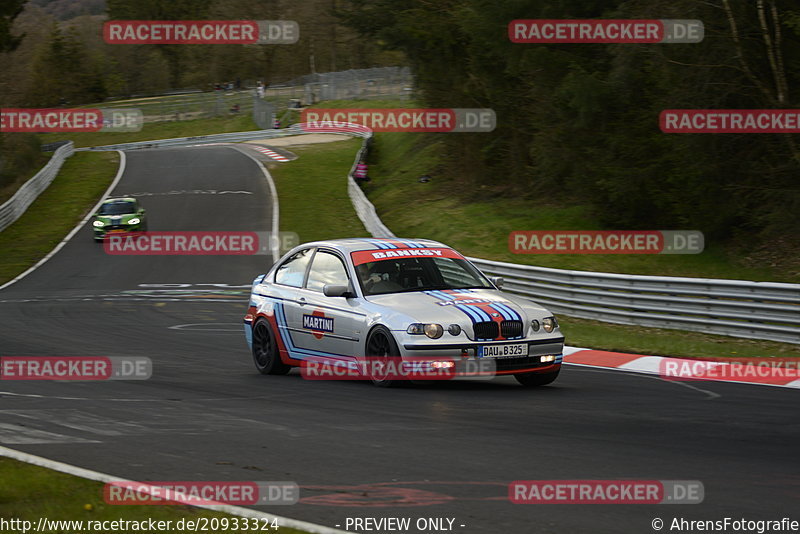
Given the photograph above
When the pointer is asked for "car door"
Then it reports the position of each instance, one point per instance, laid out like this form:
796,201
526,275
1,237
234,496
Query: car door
327,326
289,279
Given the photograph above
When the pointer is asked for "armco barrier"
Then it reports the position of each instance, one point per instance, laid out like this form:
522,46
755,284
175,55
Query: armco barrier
14,207
234,137
758,310
739,308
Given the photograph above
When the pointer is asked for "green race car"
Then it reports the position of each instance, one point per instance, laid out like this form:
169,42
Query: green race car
118,215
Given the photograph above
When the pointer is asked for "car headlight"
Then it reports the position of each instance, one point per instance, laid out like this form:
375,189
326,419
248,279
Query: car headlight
98,224
535,325
432,330
549,324
135,220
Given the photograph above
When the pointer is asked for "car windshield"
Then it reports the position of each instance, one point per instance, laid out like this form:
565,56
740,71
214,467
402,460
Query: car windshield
118,208
399,275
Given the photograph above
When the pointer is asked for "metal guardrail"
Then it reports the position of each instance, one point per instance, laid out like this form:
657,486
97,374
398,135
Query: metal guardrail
13,208
737,308
234,137
364,208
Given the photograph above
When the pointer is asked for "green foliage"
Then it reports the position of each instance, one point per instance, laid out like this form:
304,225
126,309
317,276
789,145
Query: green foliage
64,72
580,121
9,9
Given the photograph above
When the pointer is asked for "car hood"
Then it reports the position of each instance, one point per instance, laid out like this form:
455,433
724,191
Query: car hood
463,307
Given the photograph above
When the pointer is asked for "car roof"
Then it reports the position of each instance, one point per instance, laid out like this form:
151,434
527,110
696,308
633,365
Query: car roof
355,244
119,199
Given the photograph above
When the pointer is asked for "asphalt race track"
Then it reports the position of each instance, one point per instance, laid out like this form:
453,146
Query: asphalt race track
445,450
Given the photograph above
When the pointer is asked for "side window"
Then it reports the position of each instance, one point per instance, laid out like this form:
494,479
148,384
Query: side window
327,268
292,271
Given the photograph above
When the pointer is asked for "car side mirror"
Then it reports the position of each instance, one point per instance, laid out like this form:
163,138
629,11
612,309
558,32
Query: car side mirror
335,290
497,281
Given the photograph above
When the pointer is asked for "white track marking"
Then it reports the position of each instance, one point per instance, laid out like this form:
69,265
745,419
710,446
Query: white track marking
275,210
22,435
64,241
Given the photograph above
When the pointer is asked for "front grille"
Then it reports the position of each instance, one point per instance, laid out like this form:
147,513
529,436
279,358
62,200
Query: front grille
489,330
485,330
511,329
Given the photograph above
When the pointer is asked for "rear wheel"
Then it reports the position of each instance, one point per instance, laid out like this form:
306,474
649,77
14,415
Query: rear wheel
536,379
382,354
265,350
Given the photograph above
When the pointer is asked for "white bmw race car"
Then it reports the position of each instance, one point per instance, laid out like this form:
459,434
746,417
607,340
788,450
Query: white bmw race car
390,310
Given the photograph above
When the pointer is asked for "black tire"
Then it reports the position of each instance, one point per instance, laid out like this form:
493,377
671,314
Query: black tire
381,344
536,379
265,350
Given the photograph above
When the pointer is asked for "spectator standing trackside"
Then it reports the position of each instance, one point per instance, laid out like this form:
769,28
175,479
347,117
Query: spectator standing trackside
260,90
276,123
360,174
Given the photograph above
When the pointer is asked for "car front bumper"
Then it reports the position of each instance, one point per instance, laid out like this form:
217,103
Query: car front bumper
105,231
468,362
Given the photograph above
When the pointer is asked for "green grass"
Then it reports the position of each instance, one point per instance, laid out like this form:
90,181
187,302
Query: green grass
661,342
481,228
312,191
305,187
31,492
313,202
79,185
158,130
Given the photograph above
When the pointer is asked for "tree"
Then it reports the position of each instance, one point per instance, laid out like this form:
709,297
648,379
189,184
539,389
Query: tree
9,9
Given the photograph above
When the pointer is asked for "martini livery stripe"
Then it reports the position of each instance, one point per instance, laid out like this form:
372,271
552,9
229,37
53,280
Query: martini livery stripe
479,310
396,243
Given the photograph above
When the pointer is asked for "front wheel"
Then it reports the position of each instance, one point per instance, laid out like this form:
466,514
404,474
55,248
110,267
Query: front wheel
383,356
265,350
536,379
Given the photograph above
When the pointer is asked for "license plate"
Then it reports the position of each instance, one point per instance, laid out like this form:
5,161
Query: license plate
502,351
